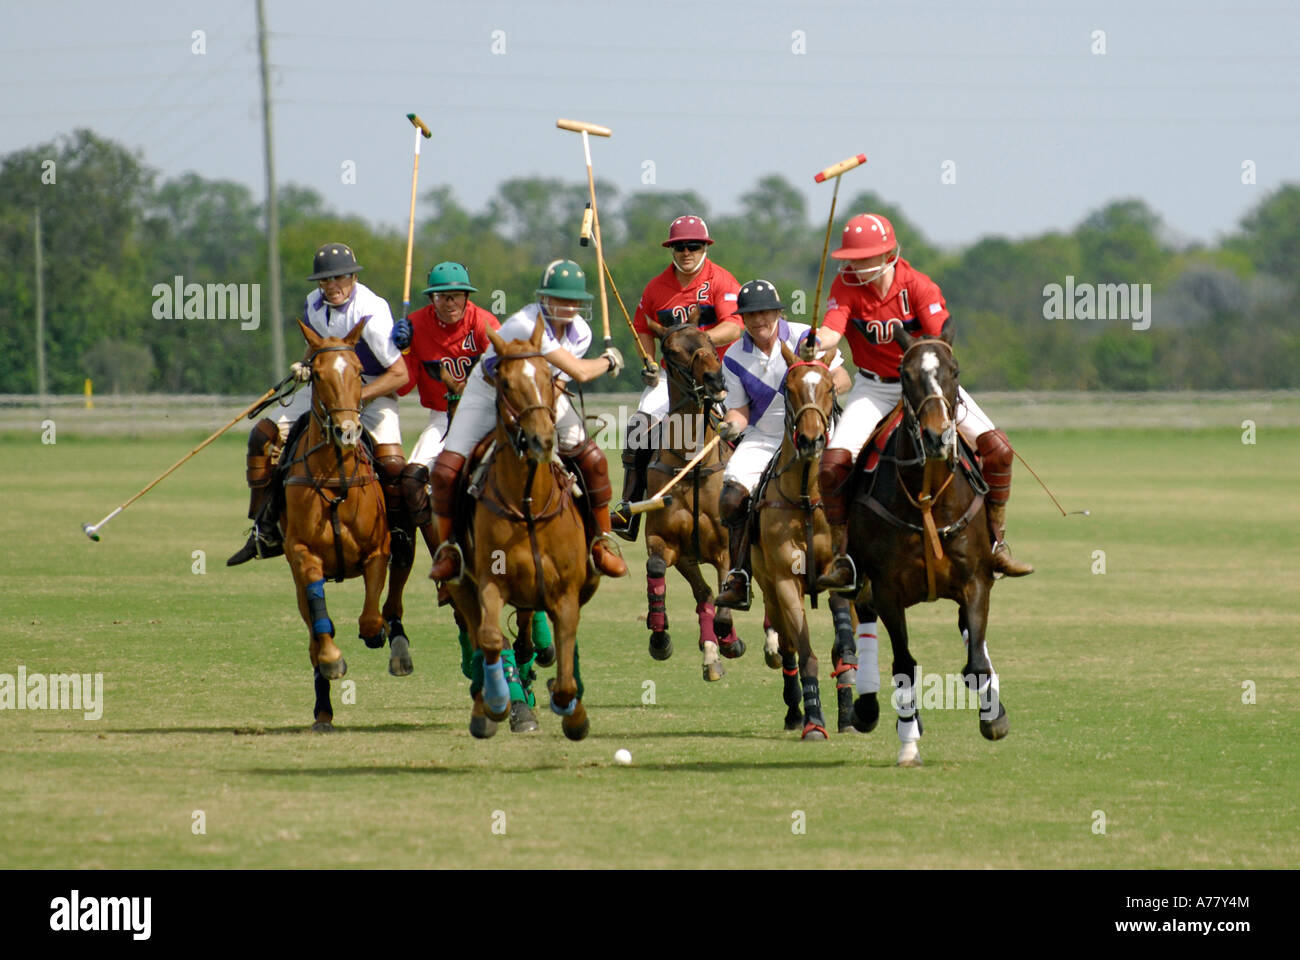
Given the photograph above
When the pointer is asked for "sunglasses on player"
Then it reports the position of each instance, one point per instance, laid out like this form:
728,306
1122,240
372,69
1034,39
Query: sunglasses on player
691,246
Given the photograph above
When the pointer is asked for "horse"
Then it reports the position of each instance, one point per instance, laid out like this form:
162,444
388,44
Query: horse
334,520
917,532
527,543
793,547
688,530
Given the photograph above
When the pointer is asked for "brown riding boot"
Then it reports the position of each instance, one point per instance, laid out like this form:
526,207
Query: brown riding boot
446,479
264,539
593,466
833,477
1003,562
733,507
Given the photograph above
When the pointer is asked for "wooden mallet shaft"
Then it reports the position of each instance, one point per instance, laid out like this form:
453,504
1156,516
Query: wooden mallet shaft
420,130
579,126
834,171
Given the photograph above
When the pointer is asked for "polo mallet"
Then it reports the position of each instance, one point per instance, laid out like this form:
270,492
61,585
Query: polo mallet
584,238
578,126
256,405
1072,513
420,131
834,171
661,499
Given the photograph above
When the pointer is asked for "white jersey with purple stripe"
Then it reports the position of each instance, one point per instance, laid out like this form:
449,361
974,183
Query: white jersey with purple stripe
375,349
757,381
519,326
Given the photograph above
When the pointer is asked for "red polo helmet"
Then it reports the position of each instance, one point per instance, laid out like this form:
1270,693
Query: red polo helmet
687,227
866,235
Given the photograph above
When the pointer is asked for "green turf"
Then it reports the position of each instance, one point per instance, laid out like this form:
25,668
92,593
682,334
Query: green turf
1124,692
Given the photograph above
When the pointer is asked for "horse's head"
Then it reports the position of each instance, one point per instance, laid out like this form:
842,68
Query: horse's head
929,380
693,365
809,404
336,385
525,395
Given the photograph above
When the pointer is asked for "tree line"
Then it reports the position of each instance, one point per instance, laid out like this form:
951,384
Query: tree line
115,235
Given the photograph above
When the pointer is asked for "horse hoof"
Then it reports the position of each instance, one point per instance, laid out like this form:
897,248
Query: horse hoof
322,727
545,656
866,713
522,719
714,671
846,726
399,657
482,727
772,658
814,731
998,727
661,645
574,728
335,670
909,755
793,722
733,650
496,715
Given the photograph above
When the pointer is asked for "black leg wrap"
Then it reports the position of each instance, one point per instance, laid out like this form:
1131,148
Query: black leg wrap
323,704
790,674
655,567
812,700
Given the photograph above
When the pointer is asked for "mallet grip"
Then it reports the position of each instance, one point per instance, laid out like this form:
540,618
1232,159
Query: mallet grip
844,166
419,125
577,126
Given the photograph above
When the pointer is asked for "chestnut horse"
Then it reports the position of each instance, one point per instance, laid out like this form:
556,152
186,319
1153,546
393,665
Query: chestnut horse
334,520
527,545
793,547
918,533
688,531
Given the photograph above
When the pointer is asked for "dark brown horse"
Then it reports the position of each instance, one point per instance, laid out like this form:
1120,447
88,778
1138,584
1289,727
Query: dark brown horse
917,532
793,547
688,531
334,520
527,545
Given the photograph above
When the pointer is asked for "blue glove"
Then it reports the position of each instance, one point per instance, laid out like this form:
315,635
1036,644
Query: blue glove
402,333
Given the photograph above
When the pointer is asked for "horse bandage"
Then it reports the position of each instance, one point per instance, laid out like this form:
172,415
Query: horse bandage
868,658
320,618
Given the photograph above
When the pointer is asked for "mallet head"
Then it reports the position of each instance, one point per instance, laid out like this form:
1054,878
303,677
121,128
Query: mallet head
91,531
419,125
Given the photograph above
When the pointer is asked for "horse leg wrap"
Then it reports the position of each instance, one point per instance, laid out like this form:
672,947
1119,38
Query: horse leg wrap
322,687
496,692
812,703
513,680
868,644
577,671
844,653
655,572
705,612
790,675
320,618
475,673
542,638
466,654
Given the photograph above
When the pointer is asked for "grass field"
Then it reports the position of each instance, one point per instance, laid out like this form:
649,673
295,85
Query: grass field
1124,690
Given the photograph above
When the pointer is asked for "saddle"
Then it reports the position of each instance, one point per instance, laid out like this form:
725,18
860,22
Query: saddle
475,488
882,446
288,456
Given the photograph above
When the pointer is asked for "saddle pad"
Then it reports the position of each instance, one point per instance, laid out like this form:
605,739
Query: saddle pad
869,459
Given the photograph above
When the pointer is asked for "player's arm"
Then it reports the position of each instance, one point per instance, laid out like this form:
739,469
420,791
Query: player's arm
390,381
724,332
581,369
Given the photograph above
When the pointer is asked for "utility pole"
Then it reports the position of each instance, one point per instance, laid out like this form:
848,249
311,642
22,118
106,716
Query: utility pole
272,210
40,314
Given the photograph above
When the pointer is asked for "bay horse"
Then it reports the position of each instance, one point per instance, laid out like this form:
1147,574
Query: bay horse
334,521
917,532
527,543
689,530
793,547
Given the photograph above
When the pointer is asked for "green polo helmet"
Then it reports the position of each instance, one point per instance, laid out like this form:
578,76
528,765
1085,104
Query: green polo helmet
448,276
564,280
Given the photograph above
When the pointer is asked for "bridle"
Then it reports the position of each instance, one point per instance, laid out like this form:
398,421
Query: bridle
510,416
325,415
912,416
684,375
793,414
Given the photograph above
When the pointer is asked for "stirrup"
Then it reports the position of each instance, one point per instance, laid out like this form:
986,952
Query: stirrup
854,585
747,595
460,562
610,544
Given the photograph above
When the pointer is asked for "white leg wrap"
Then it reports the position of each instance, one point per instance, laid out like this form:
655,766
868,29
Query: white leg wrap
868,658
904,698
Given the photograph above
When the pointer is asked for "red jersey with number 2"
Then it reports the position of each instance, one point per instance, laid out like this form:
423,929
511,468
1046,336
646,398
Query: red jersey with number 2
868,320
711,286
457,347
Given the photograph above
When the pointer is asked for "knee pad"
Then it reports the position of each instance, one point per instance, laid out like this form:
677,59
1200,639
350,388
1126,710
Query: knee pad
995,454
593,466
446,477
733,504
415,493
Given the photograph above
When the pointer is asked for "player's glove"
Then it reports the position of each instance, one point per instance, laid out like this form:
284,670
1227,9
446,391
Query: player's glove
402,333
730,431
808,347
650,374
615,360
300,372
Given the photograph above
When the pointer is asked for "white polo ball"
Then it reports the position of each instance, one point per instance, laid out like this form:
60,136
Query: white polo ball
622,757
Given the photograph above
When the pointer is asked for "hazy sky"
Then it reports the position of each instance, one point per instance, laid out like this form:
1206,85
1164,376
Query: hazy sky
1039,128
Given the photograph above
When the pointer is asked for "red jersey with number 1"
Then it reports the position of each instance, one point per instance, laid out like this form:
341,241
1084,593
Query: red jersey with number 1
868,320
456,346
711,286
